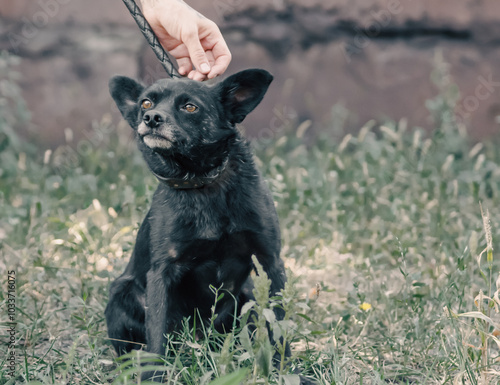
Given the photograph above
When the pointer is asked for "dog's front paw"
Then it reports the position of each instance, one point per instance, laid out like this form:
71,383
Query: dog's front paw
152,375
307,381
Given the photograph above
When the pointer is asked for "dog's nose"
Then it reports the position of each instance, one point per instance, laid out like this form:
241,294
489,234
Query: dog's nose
153,118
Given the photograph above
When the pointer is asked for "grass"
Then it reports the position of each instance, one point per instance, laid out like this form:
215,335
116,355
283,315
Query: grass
391,258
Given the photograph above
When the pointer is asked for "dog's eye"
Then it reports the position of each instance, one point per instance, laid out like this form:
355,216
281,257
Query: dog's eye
190,107
146,104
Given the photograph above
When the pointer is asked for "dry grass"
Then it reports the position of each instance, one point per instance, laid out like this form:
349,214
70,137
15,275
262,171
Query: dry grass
382,233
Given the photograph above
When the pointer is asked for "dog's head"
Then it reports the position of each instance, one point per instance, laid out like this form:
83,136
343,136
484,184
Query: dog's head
186,119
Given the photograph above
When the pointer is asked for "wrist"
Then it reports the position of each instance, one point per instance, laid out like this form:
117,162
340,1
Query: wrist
154,3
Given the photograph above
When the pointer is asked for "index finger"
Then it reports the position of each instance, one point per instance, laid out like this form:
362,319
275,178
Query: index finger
222,57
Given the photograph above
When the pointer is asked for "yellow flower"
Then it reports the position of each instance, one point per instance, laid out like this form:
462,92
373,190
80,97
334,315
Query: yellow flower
365,306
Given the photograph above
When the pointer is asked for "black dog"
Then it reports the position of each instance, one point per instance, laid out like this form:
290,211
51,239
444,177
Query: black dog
209,215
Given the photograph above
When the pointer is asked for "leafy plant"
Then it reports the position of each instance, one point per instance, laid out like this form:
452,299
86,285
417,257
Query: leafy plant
381,231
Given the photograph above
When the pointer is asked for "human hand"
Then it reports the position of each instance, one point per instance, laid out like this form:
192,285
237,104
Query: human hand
193,40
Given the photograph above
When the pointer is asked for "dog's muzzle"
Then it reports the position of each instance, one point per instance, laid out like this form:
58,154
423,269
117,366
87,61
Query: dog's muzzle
154,138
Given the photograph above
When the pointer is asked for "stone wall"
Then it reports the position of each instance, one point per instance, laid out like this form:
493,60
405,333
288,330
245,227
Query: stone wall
375,58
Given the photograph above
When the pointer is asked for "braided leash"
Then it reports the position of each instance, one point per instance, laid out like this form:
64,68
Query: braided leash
151,38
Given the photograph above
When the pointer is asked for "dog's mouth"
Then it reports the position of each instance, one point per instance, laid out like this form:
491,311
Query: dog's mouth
155,141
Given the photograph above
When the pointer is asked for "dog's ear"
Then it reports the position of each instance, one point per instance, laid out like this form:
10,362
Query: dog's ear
242,92
125,92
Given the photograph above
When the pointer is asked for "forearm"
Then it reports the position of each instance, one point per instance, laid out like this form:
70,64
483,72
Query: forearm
173,6
169,3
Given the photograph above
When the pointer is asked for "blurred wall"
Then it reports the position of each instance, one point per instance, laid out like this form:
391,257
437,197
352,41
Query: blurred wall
375,58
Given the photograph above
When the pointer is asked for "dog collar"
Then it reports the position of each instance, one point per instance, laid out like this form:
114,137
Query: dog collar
187,183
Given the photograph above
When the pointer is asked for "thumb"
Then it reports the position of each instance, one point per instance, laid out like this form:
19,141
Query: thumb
197,53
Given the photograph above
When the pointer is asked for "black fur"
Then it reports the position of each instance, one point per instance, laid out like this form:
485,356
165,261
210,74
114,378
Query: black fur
193,238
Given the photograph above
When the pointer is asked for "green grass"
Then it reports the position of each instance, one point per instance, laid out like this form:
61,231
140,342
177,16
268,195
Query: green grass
385,222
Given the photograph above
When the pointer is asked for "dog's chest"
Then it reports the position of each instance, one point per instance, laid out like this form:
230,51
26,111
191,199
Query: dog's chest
209,221
196,216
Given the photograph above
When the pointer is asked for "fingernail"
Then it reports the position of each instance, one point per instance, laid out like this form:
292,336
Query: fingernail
205,67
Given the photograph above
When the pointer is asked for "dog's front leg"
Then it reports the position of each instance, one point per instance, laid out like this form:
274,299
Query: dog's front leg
162,314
